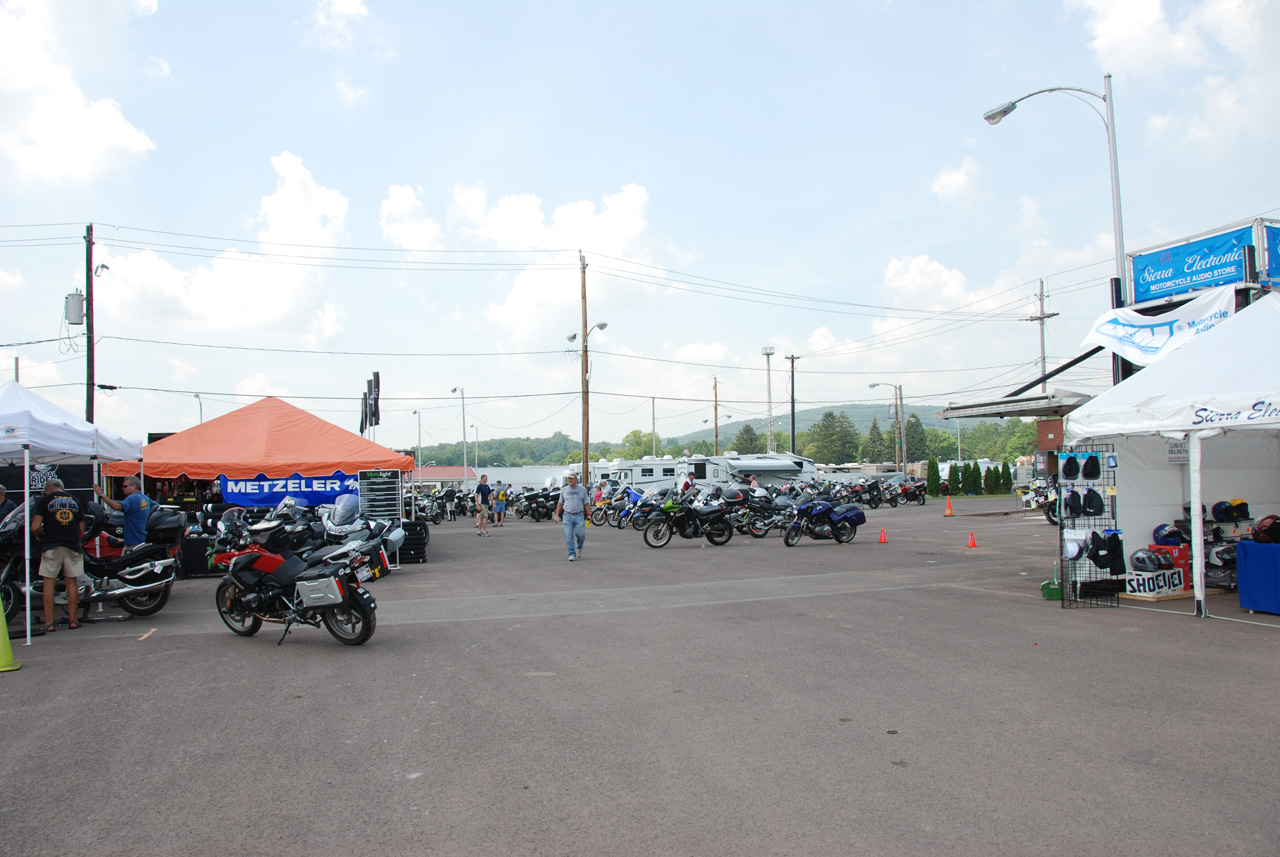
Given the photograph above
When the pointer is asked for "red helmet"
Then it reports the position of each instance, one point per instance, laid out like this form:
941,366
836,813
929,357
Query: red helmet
1267,531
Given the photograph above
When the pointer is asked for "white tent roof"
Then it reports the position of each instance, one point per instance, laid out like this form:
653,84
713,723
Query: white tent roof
1220,379
54,434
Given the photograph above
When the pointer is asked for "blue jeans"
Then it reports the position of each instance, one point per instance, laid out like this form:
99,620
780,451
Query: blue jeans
575,530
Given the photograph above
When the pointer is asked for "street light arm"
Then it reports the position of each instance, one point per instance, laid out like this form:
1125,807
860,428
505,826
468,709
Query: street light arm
995,114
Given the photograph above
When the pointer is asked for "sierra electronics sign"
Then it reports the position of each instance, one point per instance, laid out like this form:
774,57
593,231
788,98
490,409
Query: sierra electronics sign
310,490
1211,261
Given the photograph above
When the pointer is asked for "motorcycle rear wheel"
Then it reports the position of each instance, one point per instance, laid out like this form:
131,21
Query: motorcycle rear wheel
639,523
657,535
12,597
845,531
718,532
1051,514
873,502
893,501
437,518
757,527
234,617
791,537
146,603
352,623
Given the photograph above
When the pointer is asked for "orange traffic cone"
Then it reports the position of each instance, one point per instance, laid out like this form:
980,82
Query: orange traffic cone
883,540
973,543
948,513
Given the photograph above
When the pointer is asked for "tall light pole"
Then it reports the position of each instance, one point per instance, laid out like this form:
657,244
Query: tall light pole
586,333
717,427
900,429
463,393
417,450
477,449
768,351
200,402
994,116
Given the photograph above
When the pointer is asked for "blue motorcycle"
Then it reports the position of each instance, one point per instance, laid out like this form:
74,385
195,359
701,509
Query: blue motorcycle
817,518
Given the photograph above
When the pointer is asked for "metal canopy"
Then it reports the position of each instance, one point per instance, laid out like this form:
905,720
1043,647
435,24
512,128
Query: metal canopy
1055,405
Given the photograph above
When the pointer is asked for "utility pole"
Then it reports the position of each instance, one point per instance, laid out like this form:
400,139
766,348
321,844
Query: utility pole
653,423
88,330
792,358
768,352
586,427
715,410
1041,317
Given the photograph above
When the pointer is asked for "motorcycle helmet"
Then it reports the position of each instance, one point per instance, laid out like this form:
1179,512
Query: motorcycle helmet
1166,534
1164,559
1072,549
1070,467
1267,531
1144,560
1186,511
1092,504
1224,512
1092,468
1242,509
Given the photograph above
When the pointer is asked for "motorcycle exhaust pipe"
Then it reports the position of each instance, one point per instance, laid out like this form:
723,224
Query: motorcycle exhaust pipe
114,594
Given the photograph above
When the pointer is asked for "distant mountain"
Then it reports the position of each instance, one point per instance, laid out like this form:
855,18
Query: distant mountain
860,415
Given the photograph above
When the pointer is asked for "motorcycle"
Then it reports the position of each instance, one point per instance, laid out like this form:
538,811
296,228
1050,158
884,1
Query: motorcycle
271,584
679,516
817,518
913,492
768,513
1043,499
873,494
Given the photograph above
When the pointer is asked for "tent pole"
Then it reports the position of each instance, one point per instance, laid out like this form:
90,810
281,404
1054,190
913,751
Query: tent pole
26,532
1197,519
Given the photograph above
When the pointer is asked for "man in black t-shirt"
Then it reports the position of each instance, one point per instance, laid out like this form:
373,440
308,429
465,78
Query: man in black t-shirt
56,520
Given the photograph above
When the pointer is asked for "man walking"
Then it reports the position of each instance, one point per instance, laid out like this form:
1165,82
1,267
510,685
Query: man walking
137,507
573,509
57,521
482,506
500,504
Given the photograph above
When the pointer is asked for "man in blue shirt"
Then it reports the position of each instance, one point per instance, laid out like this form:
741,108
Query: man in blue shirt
137,507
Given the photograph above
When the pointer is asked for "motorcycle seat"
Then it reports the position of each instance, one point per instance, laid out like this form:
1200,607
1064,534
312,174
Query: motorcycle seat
844,508
288,571
318,556
708,511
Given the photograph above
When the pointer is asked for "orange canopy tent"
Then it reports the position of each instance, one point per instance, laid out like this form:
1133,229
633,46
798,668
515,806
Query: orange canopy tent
269,437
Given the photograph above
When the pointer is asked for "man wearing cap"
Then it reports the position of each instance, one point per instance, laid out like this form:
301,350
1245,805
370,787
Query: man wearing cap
573,509
137,507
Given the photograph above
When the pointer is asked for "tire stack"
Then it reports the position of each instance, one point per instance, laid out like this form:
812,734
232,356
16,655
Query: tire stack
416,537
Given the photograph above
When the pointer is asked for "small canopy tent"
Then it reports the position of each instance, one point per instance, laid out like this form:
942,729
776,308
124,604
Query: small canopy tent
270,438
1219,385
35,430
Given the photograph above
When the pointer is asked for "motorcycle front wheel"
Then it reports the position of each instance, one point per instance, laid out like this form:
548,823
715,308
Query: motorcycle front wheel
757,527
12,597
352,623
791,537
1051,514
893,501
146,603
920,499
658,534
845,532
719,532
235,617
640,523
597,517
873,502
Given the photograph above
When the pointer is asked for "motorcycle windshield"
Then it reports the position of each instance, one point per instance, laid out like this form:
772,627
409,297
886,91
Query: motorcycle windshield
346,509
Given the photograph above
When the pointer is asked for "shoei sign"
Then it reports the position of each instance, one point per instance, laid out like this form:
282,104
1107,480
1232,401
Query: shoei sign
1214,260
308,490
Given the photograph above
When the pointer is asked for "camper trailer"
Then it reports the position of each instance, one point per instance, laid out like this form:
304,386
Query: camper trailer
643,474
730,469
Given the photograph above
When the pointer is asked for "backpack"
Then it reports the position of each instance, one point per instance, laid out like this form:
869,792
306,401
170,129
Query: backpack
1070,467
502,495
1092,506
1092,468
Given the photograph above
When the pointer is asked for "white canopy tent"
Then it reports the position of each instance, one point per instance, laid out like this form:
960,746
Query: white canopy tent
35,430
1218,385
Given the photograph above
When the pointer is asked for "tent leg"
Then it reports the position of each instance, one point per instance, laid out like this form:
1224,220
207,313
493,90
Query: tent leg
26,534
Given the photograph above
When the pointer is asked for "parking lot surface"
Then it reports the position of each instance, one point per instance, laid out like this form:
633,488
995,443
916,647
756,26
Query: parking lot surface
913,697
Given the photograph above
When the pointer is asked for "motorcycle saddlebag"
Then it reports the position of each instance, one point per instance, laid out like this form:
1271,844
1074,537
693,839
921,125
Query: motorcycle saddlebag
324,592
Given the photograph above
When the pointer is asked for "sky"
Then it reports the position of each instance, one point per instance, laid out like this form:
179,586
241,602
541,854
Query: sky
287,197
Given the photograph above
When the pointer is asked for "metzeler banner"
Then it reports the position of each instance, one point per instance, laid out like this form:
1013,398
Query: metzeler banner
1211,261
1272,234
1144,339
309,490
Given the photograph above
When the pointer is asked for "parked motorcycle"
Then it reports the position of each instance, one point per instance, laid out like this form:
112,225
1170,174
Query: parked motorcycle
679,516
817,518
1043,499
913,492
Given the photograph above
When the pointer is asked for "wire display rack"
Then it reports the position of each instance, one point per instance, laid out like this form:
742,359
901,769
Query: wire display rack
1094,573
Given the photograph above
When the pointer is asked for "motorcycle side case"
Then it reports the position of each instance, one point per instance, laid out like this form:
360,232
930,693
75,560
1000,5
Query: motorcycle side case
324,592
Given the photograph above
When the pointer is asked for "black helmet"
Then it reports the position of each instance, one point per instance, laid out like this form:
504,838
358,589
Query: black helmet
1242,509
1224,512
1144,560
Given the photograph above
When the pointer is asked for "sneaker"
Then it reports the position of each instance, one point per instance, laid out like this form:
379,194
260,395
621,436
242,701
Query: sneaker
581,548
572,557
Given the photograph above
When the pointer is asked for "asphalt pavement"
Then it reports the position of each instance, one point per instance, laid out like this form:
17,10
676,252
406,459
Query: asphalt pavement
917,697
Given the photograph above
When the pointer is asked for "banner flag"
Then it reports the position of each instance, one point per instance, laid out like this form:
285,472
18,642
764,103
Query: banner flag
1144,339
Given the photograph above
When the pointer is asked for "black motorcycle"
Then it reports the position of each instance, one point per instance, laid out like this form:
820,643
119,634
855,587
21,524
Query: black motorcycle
679,516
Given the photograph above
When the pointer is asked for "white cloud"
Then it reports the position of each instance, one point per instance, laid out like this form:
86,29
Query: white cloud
347,93
326,323
404,221
182,370
10,281
957,183
157,67
258,384
1135,36
148,7
49,130
333,19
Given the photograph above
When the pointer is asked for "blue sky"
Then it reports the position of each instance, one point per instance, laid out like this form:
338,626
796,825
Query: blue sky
360,176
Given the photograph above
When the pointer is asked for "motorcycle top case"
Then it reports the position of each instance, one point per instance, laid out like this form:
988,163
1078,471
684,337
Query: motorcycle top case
319,593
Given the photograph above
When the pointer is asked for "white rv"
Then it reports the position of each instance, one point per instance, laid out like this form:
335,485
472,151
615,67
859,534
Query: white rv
768,468
646,473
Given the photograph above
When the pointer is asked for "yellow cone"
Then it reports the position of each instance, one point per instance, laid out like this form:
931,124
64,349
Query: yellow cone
7,663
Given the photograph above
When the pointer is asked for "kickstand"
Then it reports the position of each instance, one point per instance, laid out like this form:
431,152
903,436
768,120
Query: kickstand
287,626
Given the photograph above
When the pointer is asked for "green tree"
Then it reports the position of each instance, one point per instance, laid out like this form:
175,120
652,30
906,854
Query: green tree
991,480
917,442
873,445
833,439
638,444
933,478
1006,479
747,441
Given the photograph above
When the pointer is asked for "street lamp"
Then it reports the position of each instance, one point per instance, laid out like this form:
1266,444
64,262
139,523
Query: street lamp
417,452
476,457
717,427
586,333
463,393
900,438
994,115
768,352
199,401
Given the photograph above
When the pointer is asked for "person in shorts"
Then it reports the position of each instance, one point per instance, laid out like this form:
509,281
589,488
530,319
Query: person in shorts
483,492
56,520
499,503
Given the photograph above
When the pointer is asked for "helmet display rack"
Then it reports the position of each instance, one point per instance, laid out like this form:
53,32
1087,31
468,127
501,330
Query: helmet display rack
1089,576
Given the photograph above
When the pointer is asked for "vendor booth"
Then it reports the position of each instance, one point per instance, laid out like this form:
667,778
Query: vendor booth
262,452
1200,426
35,431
